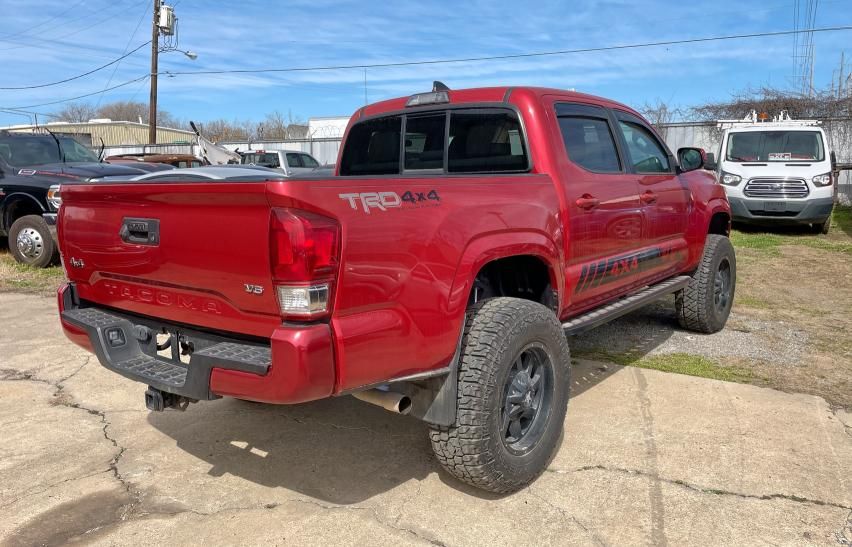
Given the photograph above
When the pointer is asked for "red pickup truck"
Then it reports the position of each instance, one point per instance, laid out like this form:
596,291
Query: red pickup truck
464,237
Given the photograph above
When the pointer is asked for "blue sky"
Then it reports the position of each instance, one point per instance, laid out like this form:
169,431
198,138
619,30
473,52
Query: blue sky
47,40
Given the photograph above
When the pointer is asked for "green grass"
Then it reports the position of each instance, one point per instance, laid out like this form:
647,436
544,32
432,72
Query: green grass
839,240
679,363
18,277
752,302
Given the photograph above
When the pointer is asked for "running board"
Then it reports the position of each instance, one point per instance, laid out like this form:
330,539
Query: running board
599,316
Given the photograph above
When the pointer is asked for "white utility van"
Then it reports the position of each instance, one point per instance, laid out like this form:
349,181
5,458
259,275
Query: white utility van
776,172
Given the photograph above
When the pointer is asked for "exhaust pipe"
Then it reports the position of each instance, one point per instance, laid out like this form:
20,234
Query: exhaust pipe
389,400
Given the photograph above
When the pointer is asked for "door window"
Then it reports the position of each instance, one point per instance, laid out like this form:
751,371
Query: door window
589,143
293,160
308,161
646,153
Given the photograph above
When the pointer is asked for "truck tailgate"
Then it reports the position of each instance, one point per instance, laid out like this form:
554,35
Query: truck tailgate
192,253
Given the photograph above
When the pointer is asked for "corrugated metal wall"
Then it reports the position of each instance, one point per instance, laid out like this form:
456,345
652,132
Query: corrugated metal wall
113,133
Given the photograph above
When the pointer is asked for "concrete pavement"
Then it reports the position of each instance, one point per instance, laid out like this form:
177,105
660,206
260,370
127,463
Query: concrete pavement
647,458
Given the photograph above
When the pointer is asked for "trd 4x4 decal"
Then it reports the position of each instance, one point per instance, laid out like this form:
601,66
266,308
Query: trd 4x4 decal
384,201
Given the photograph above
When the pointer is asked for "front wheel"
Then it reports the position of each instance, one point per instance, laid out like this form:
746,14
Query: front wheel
31,242
513,384
705,304
821,227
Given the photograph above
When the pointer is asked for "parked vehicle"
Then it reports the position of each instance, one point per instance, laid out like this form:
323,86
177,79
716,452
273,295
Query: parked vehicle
288,162
32,166
180,161
776,172
437,275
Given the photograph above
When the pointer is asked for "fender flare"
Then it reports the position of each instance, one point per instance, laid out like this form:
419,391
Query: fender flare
12,198
492,246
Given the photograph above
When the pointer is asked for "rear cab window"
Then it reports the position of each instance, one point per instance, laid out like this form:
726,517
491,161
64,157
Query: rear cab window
459,140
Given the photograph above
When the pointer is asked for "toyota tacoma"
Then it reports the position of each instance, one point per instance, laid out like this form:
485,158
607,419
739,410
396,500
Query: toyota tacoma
464,237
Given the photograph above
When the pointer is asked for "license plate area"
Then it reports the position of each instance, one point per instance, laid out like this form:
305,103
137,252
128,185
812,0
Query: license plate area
775,206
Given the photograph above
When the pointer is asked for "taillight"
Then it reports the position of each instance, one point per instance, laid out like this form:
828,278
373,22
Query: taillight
304,254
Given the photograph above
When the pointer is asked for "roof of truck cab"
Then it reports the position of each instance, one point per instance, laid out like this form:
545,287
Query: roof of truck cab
490,95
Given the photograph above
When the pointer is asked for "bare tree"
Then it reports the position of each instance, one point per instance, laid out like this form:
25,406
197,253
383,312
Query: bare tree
76,113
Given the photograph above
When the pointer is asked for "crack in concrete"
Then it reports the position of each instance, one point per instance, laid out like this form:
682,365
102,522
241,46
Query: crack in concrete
59,389
591,533
844,535
700,489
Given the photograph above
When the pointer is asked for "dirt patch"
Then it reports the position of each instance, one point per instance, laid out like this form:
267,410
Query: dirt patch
810,290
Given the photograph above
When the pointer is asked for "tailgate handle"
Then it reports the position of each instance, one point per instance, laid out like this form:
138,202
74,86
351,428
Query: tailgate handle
140,231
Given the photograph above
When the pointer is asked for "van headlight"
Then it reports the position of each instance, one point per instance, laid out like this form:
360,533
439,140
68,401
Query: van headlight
54,197
729,179
822,180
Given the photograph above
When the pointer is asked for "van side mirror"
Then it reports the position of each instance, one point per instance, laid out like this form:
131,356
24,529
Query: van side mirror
690,159
710,161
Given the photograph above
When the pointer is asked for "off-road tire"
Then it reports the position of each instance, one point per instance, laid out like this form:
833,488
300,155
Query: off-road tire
696,305
47,254
497,331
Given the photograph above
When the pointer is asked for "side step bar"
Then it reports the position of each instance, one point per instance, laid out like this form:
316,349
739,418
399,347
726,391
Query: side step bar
599,316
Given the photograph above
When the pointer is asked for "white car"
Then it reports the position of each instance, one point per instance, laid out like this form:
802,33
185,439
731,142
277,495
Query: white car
236,173
776,172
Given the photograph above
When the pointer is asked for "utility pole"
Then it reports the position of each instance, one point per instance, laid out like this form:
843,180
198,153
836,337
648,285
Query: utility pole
152,100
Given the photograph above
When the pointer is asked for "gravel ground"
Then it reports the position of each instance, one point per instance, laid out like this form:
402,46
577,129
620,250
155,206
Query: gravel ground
654,331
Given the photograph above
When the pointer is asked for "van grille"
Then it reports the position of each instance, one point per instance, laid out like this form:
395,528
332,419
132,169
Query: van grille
776,188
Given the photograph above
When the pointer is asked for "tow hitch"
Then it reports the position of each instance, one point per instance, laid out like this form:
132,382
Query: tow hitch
157,400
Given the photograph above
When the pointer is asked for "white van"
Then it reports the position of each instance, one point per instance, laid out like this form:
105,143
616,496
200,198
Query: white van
776,172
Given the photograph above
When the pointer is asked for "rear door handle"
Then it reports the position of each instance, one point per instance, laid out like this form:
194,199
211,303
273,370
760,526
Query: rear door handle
587,201
140,231
648,197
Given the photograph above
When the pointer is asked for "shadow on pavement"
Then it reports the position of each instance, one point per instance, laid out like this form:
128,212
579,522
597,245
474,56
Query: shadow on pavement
344,451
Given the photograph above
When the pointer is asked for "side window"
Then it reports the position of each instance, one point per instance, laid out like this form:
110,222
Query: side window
293,160
486,141
308,161
372,148
424,141
589,143
646,153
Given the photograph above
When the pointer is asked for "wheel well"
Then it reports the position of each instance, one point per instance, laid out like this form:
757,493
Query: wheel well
18,208
524,276
720,224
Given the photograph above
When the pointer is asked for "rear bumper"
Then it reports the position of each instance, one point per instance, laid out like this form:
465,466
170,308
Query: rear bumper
295,365
809,211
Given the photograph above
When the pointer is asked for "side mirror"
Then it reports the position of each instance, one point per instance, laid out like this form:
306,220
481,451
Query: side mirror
691,159
710,161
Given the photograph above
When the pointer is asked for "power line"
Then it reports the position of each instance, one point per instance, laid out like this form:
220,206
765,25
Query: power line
132,36
77,77
78,96
30,29
512,56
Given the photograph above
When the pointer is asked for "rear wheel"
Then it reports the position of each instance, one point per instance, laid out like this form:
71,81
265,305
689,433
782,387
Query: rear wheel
705,303
512,396
31,242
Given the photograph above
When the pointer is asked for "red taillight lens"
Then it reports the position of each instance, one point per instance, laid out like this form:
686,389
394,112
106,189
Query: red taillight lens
303,246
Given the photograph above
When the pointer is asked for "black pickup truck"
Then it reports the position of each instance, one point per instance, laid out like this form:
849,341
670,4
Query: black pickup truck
32,168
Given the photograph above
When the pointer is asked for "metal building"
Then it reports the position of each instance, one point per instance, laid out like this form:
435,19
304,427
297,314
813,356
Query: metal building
113,133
